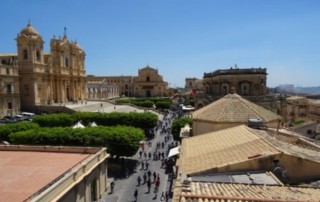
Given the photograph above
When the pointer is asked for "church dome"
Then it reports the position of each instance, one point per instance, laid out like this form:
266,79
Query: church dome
29,31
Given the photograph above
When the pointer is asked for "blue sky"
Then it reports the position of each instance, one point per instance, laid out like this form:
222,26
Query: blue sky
181,38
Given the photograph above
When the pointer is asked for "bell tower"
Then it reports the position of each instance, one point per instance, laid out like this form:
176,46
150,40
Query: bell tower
30,47
31,66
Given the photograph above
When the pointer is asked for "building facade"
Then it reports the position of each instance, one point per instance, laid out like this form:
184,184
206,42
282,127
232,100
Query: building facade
246,82
148,83
9,86
193,84
45,78
81,174
103,88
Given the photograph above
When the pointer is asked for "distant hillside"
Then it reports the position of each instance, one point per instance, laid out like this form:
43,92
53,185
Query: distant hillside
307,90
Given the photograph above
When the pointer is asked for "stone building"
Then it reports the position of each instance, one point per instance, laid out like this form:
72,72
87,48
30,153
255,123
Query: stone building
148,83
244,164
247,82
296,108
229,111
46,78
9,86
103,88
193,84
53,173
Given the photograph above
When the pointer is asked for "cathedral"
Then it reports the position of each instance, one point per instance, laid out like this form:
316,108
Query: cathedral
34,77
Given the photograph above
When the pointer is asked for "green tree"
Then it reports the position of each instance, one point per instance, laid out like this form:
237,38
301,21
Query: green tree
177,124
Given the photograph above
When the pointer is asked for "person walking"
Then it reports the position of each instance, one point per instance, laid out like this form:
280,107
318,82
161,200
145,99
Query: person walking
144,178
163,196
154,177
135,195
111,187
149,185
139,180
157,185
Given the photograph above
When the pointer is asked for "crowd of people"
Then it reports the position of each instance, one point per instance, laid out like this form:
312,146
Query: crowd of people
149,154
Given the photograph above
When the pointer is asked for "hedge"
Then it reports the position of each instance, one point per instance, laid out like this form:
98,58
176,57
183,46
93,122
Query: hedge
161,103
55,120
9,128
144,121
119,140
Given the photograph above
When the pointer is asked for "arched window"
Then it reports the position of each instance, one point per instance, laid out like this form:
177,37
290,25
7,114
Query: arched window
245,88
148,79
225,88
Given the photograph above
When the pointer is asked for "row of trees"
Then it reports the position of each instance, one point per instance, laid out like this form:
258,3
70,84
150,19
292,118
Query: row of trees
159,103
144,121
119,132
54,129
120,140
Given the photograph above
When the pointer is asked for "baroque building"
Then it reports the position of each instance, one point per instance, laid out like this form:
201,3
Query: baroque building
148,83
246,82
45,78
9,86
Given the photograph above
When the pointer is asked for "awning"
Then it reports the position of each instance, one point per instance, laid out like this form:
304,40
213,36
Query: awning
174,151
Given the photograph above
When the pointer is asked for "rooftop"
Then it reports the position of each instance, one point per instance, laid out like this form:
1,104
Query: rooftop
224,147
218,192
233,108
27,170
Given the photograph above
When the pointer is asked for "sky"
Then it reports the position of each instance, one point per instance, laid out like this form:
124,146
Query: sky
180,38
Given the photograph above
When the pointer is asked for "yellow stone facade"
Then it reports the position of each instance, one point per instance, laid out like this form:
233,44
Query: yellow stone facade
45,78
9,86
148,83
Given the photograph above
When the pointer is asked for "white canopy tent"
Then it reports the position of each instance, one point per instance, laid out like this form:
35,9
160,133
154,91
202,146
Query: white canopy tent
174,151
78,125
93,124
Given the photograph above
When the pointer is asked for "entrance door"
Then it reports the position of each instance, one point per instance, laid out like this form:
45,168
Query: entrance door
148,93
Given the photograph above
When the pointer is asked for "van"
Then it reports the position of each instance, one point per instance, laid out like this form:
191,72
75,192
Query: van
27,115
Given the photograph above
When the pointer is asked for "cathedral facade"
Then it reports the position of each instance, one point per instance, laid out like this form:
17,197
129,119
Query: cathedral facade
148,83
46,78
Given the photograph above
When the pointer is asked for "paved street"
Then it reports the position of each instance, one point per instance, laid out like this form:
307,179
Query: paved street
125,186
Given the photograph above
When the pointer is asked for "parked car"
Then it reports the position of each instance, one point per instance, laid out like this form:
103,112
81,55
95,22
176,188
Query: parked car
8,119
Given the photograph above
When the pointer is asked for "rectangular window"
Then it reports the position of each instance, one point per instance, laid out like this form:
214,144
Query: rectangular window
9,88
25,54
66,62
7,71
38,55
9,105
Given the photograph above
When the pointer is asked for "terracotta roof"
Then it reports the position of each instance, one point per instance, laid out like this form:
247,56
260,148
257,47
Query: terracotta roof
25,173
233,108
200,191
220,148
